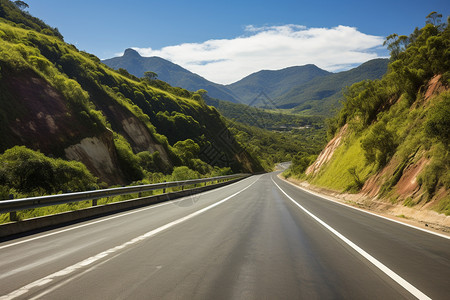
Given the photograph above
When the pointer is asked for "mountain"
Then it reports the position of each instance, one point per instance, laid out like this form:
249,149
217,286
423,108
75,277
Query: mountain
391,139
67,105
306,89
169,72
273,84
320,96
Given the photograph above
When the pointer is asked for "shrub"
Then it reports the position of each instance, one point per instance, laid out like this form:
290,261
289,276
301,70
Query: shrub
438,123
379,145
186,150
184,173
32,173
128,161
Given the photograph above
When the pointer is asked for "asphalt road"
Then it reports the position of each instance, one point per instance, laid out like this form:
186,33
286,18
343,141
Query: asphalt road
260,238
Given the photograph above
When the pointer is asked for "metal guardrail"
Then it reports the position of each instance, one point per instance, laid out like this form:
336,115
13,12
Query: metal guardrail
12,206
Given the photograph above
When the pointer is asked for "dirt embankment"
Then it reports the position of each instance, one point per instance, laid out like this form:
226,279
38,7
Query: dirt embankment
42,119
327,152
404,199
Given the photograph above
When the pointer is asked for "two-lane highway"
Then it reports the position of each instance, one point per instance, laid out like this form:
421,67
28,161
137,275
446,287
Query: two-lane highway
260,238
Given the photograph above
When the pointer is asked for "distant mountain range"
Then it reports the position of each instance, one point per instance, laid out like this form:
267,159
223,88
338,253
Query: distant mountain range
321,95
169,72
306,89
263,88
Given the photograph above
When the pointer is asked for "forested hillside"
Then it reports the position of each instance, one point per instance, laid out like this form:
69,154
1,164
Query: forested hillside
271,84
391,138
321,96
59,104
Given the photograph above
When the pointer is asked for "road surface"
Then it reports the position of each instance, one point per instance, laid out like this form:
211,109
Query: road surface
260,238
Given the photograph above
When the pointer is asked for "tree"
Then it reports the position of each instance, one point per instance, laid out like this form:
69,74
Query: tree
202,92
186,150
433,18
379,145
149,75
184,173
198,96
22,5
438,122
396,44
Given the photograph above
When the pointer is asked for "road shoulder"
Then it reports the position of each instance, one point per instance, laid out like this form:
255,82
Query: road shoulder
423,219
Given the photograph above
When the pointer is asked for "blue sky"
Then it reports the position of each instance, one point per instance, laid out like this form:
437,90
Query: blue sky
180,30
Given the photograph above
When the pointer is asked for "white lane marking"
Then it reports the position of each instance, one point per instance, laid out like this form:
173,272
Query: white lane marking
406,285
89,261
109,218
367,212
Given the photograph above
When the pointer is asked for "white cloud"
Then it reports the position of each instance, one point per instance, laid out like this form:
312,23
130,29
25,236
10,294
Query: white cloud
272,48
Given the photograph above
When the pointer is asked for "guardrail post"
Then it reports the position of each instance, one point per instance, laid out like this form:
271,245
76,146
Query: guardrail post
13,216
94,202
164,189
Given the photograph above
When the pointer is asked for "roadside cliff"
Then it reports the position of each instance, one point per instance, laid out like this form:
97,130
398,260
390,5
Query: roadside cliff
391,140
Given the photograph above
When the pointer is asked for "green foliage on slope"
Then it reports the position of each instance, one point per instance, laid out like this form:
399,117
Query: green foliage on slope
398,122
271,147
10,12
53,96
32,173
275,119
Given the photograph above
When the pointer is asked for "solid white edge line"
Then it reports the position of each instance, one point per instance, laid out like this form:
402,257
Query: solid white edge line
402,282
325,197
89,261
112,217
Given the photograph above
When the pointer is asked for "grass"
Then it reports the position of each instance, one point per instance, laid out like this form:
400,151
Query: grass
402,216
335,173
444,206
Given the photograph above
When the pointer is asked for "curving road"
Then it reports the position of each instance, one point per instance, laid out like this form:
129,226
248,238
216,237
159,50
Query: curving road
260,238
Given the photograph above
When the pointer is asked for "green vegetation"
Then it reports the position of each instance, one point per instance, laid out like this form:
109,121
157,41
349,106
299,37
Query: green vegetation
53,97
263,88
275,119
394,124
273,136
271,147
9,11
24,172
31,171
321,95
307,90
379,145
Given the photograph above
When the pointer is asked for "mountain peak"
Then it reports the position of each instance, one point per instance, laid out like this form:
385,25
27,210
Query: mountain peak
131,52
